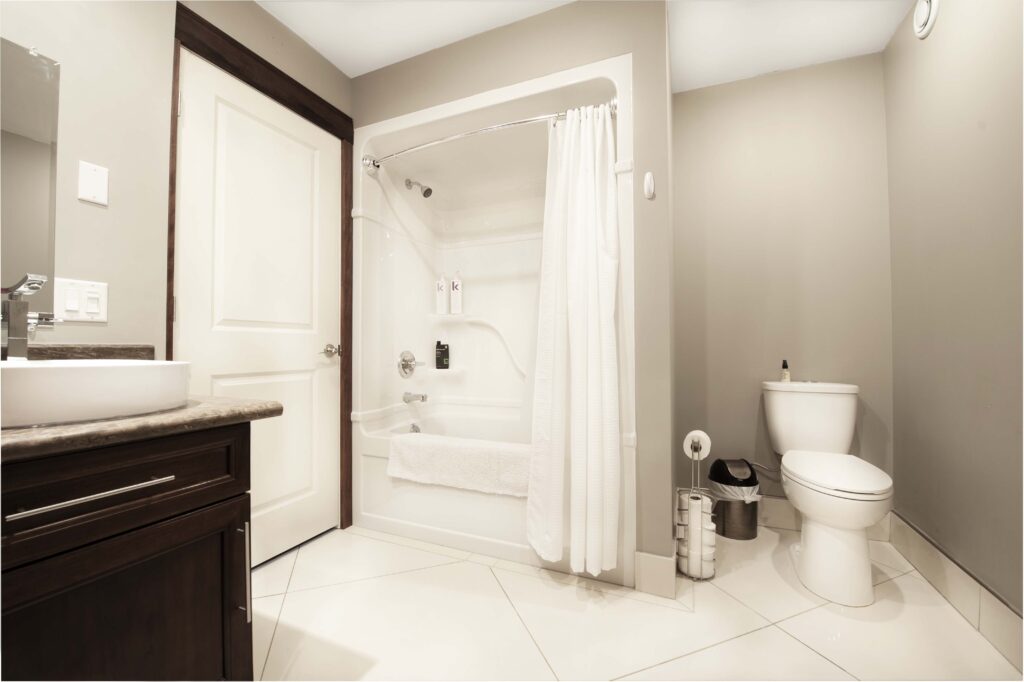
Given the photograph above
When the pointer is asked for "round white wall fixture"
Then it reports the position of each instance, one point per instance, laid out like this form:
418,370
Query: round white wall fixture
924,17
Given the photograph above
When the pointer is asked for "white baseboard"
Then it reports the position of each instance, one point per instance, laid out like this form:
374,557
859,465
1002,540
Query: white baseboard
778,512
993,619
656,574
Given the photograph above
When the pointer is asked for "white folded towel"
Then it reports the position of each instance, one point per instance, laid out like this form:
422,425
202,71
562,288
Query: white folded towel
485,465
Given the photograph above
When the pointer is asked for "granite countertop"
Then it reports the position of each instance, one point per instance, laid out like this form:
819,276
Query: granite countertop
201,412
90,351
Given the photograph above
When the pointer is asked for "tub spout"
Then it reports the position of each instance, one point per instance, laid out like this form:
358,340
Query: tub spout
414,397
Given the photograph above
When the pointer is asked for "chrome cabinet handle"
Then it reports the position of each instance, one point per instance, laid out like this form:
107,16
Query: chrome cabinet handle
248,574
88,498
330,350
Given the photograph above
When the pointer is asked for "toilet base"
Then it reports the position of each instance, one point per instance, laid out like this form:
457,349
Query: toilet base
834,563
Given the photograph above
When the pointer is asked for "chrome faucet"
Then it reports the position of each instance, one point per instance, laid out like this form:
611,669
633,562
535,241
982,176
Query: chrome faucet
17,321
414,397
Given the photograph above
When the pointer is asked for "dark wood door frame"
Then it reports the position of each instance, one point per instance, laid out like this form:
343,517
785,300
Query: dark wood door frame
207,41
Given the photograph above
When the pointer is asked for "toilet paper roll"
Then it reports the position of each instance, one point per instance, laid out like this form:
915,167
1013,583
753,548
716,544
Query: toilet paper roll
701,438
693,543
706,503
705,569
683,518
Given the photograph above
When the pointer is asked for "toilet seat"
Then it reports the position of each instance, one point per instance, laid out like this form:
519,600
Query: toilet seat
836,474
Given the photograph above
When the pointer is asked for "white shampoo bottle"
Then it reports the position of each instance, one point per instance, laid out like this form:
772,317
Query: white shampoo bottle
456,297
441,290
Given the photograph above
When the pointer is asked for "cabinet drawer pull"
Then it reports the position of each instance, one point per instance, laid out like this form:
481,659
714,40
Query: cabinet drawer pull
88,498
248,573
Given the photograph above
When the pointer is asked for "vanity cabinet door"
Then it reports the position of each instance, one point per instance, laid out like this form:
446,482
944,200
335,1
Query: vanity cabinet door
168,601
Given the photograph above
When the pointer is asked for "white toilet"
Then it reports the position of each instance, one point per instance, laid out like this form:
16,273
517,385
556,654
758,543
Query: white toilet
838,495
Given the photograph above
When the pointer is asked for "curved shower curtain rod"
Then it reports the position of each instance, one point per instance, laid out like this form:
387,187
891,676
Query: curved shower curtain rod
372,164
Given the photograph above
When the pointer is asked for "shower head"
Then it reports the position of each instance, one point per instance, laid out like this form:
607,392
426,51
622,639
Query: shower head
424,190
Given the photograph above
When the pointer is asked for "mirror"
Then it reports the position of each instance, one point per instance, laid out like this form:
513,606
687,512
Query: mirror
29,94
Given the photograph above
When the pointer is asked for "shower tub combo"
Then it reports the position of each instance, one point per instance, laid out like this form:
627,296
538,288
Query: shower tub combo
451,209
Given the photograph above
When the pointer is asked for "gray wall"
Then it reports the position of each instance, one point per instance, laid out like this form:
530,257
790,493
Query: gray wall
115,110
782,251
953,105
115,102
570,36
26,213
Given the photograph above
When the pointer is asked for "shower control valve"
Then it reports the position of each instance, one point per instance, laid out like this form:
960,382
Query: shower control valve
407,364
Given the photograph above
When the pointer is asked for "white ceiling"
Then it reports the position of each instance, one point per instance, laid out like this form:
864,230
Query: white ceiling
359,36
711,41
719,41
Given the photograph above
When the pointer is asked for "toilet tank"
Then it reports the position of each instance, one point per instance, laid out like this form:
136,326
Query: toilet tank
810,415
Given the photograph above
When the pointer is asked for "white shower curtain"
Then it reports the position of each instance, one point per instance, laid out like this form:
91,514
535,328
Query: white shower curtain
576,391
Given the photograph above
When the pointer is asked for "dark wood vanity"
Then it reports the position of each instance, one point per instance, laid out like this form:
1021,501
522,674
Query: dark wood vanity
125,546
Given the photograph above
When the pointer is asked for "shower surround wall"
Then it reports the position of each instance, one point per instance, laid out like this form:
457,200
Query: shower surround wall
584,32
484,222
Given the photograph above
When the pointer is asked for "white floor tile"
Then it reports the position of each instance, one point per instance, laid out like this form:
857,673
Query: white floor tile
339,557
586,583
766,654
271,577
910,632
446,622
409,542
760,572
587,633
264,618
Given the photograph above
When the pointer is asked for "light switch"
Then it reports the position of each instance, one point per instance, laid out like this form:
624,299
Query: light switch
92,183
71,300
79,301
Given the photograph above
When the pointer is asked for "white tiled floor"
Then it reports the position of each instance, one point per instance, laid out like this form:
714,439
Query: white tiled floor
359,604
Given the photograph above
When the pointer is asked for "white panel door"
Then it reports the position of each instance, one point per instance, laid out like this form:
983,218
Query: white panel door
257,280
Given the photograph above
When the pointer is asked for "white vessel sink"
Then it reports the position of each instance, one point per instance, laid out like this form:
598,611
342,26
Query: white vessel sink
37,392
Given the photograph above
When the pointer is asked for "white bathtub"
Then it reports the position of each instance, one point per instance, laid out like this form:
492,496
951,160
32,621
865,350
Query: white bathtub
467,425
484,523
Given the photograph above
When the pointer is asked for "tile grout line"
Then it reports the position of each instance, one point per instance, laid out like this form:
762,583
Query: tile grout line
590,586
695,651
525,626
810,648
738,601
375,577
280,609
408,546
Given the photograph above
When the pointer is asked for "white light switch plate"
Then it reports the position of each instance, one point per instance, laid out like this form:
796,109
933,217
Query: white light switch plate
79,301
92,183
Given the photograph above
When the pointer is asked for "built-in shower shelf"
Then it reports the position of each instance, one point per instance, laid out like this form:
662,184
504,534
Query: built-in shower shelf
481,322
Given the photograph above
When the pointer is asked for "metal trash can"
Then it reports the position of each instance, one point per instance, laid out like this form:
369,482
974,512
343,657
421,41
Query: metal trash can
734,485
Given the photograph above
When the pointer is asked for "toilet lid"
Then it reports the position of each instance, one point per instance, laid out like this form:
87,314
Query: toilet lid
834,471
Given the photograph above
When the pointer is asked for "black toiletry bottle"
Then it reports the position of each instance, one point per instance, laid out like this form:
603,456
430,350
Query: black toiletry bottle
441,355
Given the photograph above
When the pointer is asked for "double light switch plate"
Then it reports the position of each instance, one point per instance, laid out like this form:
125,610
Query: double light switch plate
79,301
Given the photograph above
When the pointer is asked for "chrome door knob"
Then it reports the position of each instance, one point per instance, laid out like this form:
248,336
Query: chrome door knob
330,350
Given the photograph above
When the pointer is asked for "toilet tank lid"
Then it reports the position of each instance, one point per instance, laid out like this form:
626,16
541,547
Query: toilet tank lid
808,387
835,471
